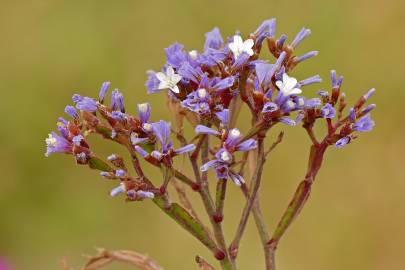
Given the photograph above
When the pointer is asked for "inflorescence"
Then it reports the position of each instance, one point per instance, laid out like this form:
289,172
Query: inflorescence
209,87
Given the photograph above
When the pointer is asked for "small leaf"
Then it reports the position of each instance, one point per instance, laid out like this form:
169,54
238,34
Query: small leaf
98,164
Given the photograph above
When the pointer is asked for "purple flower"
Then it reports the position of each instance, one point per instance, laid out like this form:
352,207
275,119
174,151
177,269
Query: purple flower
198,101
77,140
336,83
364,124
352,114
327,111
145,194
264,73
176,55
225,83
281,41
369,93
342,142
118,116
224,156
140,151
161,130
117,101
247,145
213,39
118,190
311,80
368,109
240,61
144,112
71,111
189,72
300,37
306,56
266,29
136,140
323,93
57,144
103,91
223,116
200,129
312,103
185,149
211,57
287,121
152,84
269,107
85,103
120,173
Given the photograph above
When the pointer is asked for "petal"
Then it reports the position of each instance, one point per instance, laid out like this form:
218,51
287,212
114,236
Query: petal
290,83
200,129
170,71
247,145
176,78
175,89
295,91
236,178
185,149
161,76
279,84
232,47
238,40
208,165
249,52
248,44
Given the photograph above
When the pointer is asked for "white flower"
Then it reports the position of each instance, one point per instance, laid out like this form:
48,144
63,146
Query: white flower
147,127
51,141
238,46
143,107
169,80
235,133
288,86
202,93
225,156
193,54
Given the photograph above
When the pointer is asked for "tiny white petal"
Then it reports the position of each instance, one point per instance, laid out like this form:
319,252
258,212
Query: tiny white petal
175,89
161,76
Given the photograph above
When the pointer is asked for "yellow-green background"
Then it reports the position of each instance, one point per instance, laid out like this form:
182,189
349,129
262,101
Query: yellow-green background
50,208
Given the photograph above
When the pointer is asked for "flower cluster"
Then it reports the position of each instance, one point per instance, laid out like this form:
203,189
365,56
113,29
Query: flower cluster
206,83
209,88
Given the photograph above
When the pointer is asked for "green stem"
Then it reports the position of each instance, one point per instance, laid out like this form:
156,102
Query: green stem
255,184
300,197
209,205
185,220
260,225
220,199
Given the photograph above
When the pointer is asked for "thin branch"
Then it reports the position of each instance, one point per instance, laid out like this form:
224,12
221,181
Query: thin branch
311,135
185,201
279,140
300,197
255,184
210,209
220,200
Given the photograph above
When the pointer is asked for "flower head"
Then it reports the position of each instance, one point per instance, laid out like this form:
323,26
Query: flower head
364,124
288,86
238,46
57,144
169,80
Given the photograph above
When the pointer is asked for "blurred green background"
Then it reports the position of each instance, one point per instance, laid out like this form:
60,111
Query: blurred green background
50,208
